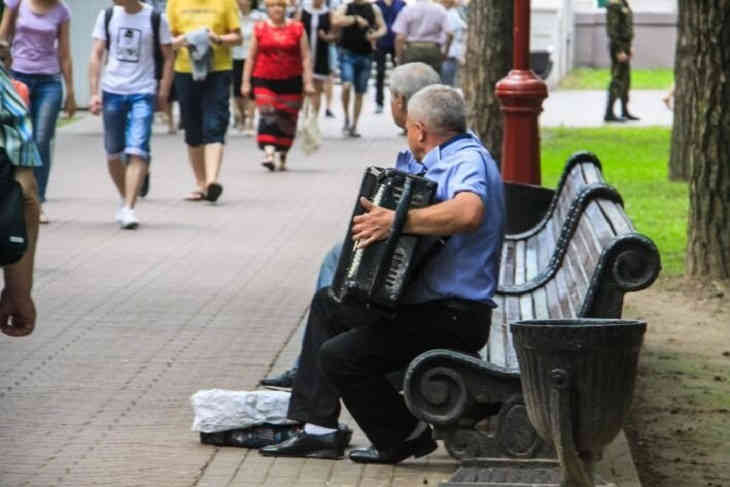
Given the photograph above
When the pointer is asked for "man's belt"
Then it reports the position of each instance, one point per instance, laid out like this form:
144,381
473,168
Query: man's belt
423,44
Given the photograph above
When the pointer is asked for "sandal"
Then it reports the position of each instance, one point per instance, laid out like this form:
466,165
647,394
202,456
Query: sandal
213,192
196,195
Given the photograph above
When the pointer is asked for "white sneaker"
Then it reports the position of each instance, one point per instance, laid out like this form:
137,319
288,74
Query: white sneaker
118,214
128,220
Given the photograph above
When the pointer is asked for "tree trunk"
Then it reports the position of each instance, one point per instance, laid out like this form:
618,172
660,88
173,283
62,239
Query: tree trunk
488,59
708,138
679,167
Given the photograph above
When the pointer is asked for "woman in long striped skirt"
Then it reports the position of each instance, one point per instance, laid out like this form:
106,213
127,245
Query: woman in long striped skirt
278,73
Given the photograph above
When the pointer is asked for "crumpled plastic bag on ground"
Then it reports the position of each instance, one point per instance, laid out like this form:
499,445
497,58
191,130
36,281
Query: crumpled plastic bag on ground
221,410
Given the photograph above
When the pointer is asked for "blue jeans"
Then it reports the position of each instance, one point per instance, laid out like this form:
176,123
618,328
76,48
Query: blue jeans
356,70
46,98
128,124
449,69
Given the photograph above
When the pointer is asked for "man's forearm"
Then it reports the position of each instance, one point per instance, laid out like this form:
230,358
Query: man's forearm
94,68
461,214
19,276
400,42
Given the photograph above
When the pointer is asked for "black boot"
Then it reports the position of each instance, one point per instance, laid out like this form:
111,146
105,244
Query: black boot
625,110
609,116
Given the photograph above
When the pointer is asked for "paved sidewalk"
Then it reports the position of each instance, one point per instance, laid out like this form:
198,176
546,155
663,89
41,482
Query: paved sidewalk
131,323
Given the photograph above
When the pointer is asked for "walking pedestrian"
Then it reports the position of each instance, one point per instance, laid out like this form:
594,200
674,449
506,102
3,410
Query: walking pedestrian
454,56
245,108
39,32
278,71
203,33
18,156
620,29
422,33
130,33
317,23
385,46
362,24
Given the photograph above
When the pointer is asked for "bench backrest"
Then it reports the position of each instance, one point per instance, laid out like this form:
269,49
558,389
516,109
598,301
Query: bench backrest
578,268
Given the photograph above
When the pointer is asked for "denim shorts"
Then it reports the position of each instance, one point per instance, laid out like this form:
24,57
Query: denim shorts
204,106
355,69
128,124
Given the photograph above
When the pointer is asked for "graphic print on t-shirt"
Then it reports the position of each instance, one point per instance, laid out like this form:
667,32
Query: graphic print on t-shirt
129,45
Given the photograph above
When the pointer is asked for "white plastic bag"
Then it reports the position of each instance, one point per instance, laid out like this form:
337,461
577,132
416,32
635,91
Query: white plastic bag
221,410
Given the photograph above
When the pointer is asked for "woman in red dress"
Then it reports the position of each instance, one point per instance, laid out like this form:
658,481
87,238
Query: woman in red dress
278,70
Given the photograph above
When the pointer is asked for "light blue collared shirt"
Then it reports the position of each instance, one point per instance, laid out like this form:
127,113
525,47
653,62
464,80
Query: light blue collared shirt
468,266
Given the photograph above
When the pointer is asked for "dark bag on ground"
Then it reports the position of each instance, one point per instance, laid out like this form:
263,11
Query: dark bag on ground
13,235
253,437
376,277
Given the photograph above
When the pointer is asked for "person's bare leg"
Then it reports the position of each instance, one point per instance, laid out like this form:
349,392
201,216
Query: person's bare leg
316,98
346,103
171,126
241,109
356,111
135,173
213,161
117,171
328,93
250,114
196,154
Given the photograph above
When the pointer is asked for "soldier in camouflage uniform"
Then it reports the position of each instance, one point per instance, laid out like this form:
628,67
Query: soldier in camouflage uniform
620,27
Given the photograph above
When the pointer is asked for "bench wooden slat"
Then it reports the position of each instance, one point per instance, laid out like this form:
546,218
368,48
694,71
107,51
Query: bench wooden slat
540,303
601,231
566,308
575,279
532,263
508,265
551,290
495,348
520,262
505,250
618,218
591,173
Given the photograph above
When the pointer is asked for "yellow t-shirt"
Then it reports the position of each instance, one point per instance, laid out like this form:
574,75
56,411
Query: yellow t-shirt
220,16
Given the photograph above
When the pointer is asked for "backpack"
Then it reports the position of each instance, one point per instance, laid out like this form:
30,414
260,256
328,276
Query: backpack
155,19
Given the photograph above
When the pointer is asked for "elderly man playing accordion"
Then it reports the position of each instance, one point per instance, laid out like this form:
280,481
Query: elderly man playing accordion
348,353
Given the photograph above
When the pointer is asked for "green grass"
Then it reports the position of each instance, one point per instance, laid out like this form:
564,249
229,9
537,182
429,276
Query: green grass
598,79
635,162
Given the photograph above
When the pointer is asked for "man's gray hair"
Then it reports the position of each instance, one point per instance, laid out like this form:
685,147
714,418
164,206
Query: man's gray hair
440,108
407,79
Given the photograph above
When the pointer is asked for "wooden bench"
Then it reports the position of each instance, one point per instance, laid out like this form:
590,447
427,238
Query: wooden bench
578,261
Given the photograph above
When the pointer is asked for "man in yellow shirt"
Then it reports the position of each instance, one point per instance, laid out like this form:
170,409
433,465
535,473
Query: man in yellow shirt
204,97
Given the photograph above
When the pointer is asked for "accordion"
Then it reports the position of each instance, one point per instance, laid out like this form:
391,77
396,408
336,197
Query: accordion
376,276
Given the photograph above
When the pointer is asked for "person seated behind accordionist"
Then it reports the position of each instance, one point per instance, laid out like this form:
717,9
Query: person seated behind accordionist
447,306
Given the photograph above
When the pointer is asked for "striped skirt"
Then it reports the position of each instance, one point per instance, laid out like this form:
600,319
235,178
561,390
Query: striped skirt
278,102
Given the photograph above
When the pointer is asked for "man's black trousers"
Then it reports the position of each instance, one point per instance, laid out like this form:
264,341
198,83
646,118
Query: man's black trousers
347,354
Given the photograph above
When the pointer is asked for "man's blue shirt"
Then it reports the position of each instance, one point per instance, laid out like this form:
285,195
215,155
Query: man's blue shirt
390,12
468,266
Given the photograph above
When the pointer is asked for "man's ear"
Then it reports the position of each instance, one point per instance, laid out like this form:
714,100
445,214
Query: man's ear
421,131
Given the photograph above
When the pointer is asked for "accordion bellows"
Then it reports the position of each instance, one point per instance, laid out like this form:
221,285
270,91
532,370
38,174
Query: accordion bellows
377,276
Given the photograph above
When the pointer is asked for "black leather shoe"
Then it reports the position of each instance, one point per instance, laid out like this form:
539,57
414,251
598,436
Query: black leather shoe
417,447
284,381
331,445
628,116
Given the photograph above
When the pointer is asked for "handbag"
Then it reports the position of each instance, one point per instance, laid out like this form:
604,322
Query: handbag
13,235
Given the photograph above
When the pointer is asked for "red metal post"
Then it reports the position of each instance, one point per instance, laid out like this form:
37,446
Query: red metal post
521,94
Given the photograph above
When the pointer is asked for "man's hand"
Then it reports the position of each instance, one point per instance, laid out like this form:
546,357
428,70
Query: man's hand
361,22
70,105
373,225
622,57
162,100
17,314
95,104
214,38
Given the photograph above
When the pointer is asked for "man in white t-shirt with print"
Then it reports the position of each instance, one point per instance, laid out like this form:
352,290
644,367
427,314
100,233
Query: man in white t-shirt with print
129,93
